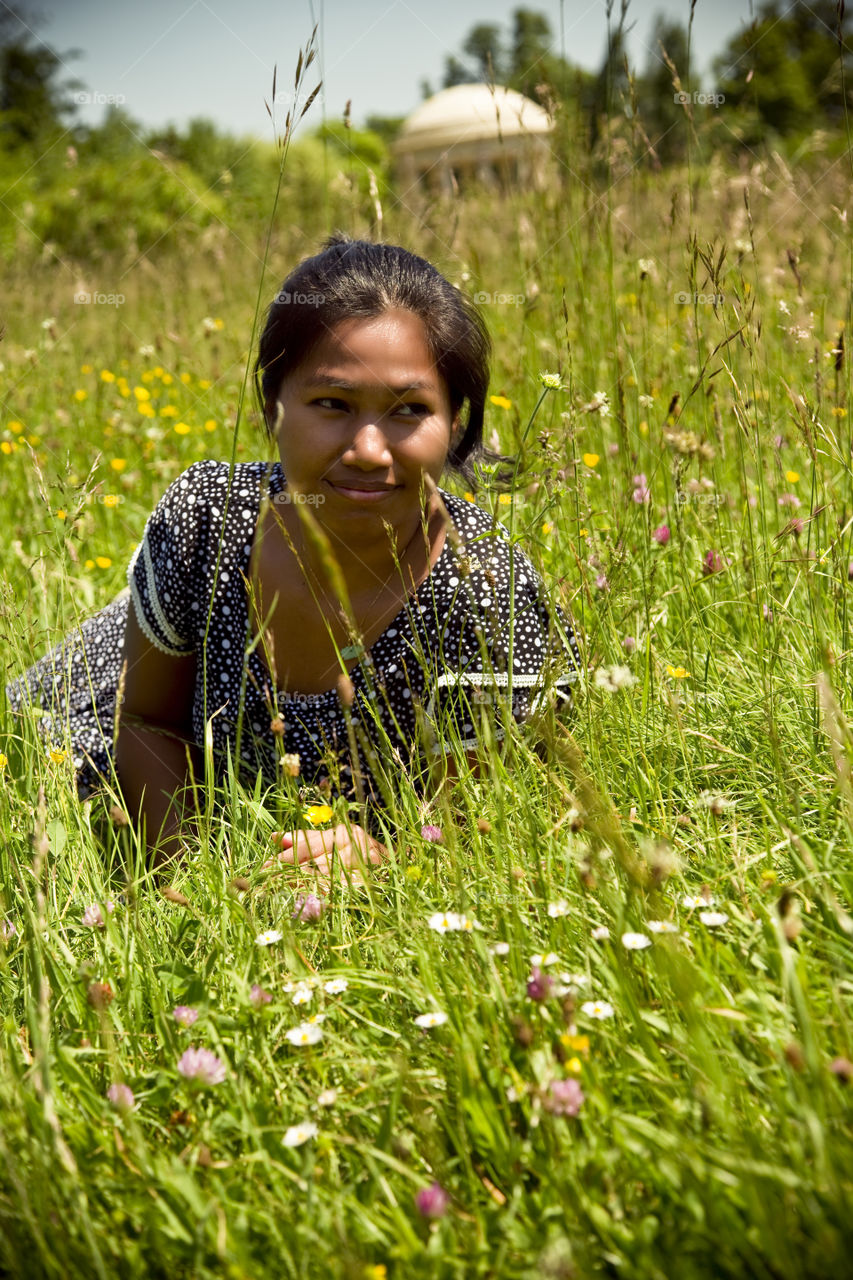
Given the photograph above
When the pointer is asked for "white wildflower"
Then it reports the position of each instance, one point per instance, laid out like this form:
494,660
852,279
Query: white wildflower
560,908
335,986
597,1009
614,678
436,1019
541,962
268,937
302,994
635,941
500,949
299,1133
600,933
305,1033
692,901
713,918
662,926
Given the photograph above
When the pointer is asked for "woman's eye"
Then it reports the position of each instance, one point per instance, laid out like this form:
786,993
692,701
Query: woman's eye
412,410
330,402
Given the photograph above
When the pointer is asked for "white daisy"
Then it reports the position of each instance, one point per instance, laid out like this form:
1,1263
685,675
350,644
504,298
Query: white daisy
500,949
635,941
268,937
713,918
299,1133
601,933
560,908
302,994
662,926
542,962
305,1033
335,986
436,1019
597,1009
691,901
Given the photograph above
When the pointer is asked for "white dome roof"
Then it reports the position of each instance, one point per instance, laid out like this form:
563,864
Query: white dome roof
469,113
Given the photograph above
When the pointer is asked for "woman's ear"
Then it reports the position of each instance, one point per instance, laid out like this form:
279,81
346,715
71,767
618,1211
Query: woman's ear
457,431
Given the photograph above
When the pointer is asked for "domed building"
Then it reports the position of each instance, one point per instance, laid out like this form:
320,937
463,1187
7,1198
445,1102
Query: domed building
473,132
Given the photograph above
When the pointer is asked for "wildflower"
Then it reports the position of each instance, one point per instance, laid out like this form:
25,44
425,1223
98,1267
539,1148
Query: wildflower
432,1201
210,424
93,917
434,835
501,402
258,996
691,901
305,1033
297,1134
662,926
551,381
563,1097
662,535
120,1096
107,376
574,979
308,906
4,760
335,986
118,464
184,1015
614,678
677,673
8,929
601,582
547,528
599,404
590,460
789,500
716,803
796,526
61,514
641,493
327,1098
182,428
629,644
646,266
56,757
80,395
597,1009
635,941
539,985
713,919
201,1065
600,933
142,393
103,562
549,958
792,476
317,814
842,1069
712,563
435,1019
100,995
268,937
500,949
451,922
414,874
290,761
302,993
559,908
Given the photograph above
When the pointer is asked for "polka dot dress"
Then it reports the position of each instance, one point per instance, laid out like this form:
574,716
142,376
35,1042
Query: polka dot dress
474,645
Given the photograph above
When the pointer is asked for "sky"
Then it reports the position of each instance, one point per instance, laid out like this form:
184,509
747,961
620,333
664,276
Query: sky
168,61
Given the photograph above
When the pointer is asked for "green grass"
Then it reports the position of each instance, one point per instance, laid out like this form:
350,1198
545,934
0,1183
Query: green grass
714,1138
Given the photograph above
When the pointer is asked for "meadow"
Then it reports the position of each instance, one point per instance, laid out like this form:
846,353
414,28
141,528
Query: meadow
602,1026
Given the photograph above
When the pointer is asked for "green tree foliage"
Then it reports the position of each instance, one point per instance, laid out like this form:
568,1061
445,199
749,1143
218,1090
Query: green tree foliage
484,46
35,102
790,71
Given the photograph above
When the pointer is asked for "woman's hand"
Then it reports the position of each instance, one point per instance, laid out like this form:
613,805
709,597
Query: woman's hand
351,847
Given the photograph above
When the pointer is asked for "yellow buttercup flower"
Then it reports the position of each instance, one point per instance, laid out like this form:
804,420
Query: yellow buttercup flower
182,428
110,499
56,756
142,393
317,814
169,411
469,497
85,368
792,476
186,379
167,379
89,564
644,428
838,411
7,446
574,1066
61,515
210,424
103,562
505,499
580,1044
17,427
204,384
546,528
80,395
677,673
590,459
118,464
147,410
501,402
4,760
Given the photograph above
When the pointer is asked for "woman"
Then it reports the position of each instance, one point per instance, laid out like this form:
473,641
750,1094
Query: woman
334,606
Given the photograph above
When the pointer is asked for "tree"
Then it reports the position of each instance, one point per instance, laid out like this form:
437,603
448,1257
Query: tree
483,44
662,117
531,55
34,102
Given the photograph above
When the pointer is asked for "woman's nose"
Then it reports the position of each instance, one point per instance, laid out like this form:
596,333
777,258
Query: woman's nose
368,447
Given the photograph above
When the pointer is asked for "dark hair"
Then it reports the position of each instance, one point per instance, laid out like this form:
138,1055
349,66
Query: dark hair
355,279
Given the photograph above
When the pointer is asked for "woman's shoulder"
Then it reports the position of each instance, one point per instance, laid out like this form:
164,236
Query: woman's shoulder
208,476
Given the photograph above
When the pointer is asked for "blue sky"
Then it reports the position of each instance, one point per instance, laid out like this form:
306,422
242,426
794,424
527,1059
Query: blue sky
170,60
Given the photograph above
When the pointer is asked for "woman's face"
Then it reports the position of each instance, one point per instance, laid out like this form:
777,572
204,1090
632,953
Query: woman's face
361,420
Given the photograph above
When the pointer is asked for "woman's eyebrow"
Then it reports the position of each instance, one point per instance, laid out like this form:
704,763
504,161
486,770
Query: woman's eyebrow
324,378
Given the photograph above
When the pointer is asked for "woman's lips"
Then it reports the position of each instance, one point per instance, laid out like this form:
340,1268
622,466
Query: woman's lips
367,493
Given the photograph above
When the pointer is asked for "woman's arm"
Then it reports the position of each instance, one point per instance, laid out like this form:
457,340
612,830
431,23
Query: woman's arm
153,751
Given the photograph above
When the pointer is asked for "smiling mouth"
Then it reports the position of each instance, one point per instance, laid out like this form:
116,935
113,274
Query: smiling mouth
362,491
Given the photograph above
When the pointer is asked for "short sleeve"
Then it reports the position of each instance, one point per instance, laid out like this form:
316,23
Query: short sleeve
506,652
164,574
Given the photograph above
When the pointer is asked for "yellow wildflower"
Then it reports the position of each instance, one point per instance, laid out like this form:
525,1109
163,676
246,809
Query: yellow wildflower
118,464
574,1066
210,424
204,384
167,379
501,402
644,428
580,1044
33,440
169,411
317,814
7,446
469,497
792,476
838,411
182,428
56,756
142,393
413,873
583,533
546,528
85,368
103,562
61,514
186,379
4,760
147,410
80,395
107,375
590,459
123,388
17,427
677,673
110,500
148,376
158,371
505,499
